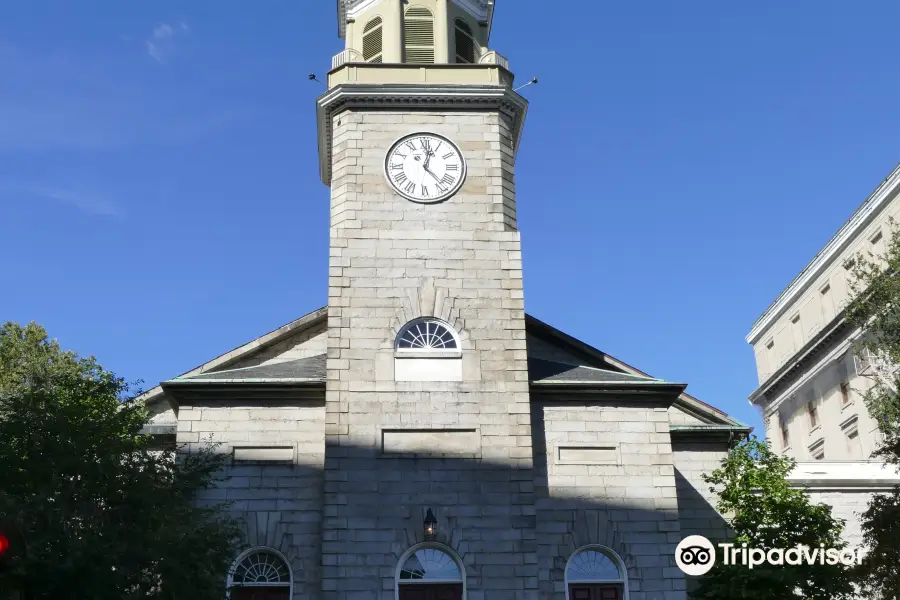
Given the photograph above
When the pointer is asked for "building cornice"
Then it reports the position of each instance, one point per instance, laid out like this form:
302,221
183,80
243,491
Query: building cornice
847,476
833,335
860,219
412,97
709,434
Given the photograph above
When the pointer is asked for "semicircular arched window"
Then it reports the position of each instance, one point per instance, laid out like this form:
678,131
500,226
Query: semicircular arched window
418,35
465,43
427,567
260,575
596,573
373,41
427,335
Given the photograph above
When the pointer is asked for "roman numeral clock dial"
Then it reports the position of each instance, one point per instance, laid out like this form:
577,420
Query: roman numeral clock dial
425,167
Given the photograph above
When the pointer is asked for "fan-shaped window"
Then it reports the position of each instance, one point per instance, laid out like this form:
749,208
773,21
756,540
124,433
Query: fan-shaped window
373,41
596,573
465,43
428,571
418,35
427,334
260,574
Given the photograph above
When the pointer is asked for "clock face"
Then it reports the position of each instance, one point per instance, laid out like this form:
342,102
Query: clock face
425,167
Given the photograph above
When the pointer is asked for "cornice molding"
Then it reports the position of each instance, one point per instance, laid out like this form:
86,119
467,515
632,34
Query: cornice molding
860,476
777,396
860,219
405,97
480,10
834,334
356,7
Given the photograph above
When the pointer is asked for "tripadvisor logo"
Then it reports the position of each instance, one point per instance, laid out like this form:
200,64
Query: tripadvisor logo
695,555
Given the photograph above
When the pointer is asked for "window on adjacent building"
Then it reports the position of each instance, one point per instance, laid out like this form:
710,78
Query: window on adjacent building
418,35
875,240
853,447
465,42
827,302
785,435
796,332
813,412
373,41
845,393
819,453
862,360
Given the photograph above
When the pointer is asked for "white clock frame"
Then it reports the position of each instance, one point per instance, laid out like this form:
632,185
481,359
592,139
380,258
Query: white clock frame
463,171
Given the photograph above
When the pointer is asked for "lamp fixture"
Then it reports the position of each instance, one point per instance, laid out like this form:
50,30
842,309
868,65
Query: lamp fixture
430,526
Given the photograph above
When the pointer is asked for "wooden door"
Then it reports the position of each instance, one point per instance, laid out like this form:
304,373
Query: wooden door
451,591
260,593
587,591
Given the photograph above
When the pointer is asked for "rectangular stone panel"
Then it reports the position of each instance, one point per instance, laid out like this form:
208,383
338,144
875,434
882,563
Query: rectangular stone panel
264,454
437,443
428,369
587,455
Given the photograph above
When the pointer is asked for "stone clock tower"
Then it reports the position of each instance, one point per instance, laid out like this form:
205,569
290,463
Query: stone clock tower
427,395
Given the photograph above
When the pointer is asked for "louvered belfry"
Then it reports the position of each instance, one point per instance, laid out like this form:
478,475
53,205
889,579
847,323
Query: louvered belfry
418,35
419,32
373,41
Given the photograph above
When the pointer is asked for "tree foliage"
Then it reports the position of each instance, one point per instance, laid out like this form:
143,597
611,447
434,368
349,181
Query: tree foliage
875,310
765,512
104,514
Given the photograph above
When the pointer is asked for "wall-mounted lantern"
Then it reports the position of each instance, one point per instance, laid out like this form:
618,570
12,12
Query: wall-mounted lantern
430,526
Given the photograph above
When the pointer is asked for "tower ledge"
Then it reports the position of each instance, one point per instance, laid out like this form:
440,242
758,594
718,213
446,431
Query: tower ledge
492,70
415,95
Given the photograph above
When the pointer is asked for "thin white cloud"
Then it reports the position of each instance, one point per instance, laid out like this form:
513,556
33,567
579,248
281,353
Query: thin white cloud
91,204
68,103
161,43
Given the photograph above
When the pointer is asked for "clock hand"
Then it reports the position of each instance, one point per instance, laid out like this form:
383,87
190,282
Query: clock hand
427,170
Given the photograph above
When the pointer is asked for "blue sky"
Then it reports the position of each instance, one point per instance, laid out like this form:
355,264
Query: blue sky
160,201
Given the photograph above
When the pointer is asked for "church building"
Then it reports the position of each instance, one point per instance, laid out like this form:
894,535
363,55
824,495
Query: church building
421,437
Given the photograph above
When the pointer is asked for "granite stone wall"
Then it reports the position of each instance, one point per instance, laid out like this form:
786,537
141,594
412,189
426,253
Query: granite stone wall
392,261
280,501
618,490
696,503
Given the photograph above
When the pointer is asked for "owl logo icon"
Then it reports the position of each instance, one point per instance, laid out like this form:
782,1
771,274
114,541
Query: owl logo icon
695,555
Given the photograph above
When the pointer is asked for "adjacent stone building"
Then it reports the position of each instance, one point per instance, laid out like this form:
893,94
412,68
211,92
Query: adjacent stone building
421,437
811,383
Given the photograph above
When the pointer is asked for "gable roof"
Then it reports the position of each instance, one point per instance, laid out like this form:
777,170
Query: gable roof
234,356
599,359
597,368
302,370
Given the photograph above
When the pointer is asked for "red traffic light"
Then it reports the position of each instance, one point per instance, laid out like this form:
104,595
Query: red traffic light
4,543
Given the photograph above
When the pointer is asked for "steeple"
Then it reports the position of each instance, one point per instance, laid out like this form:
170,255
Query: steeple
412,53
416,31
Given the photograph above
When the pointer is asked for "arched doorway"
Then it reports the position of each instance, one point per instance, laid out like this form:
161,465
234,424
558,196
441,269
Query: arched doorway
596,573
430,572
260,574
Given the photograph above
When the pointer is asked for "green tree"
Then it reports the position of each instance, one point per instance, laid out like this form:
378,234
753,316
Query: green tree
104,514
766,512
875,310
